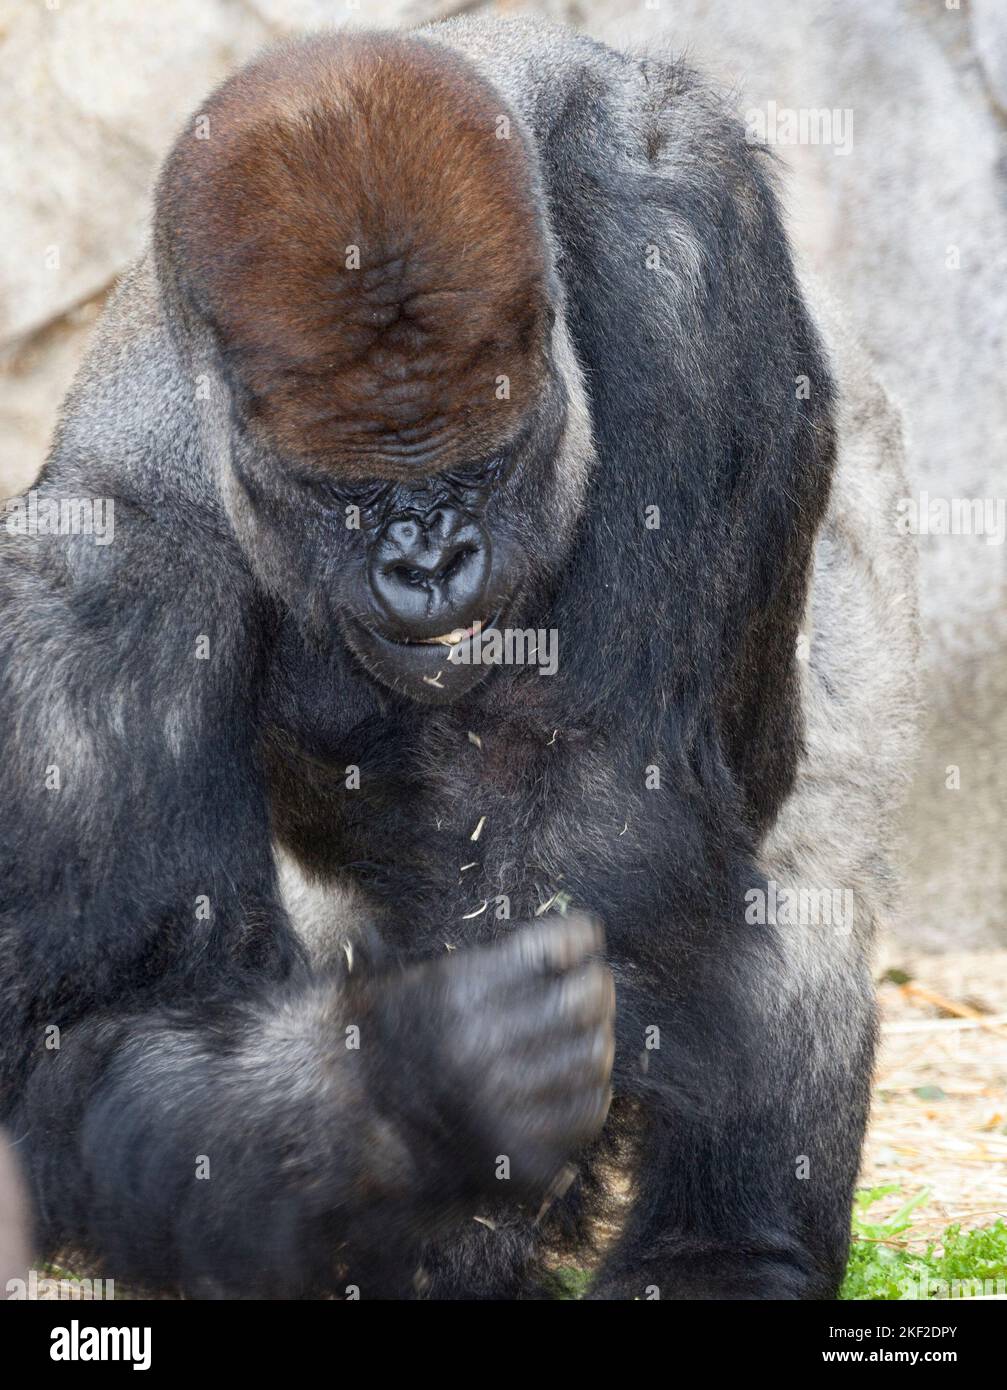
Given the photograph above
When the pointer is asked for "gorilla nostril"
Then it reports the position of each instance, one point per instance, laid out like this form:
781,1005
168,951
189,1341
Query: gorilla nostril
405,574
404,532
456,562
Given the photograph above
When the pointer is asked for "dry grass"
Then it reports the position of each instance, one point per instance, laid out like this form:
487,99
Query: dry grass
940,1107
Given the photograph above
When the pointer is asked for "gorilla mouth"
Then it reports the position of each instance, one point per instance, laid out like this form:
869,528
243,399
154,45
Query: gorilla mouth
425,668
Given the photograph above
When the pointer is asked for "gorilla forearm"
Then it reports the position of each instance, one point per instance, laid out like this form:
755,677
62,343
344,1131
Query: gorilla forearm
744,1055
241,1152
276,1145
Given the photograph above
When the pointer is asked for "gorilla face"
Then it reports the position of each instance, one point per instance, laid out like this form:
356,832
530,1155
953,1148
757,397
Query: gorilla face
408,572
437,562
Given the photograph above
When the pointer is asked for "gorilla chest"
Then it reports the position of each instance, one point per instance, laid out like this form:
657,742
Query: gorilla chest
446,831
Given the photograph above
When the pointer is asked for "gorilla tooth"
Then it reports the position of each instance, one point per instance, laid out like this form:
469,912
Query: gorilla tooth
451,639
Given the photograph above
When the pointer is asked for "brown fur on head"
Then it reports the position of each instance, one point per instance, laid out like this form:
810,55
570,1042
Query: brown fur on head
388,144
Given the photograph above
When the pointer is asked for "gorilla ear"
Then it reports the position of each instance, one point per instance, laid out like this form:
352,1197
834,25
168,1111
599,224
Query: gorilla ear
358,219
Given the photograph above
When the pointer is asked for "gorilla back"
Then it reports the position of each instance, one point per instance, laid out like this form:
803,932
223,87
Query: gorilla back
444,337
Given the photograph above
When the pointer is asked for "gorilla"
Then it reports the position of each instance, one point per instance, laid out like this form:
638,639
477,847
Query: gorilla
337,959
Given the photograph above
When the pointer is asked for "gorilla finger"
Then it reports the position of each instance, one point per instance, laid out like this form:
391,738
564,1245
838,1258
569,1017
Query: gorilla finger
586,997
541,1014
558,944
549,1076
568,1120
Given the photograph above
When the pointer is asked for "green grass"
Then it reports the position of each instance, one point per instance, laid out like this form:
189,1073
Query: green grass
883,1265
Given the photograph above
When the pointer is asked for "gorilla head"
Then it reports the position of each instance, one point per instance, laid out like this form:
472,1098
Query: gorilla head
406,444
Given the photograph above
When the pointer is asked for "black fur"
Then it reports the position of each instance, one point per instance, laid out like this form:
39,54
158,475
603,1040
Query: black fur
182,1037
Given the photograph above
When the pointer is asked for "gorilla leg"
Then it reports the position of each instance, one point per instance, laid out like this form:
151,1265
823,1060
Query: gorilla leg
753,1108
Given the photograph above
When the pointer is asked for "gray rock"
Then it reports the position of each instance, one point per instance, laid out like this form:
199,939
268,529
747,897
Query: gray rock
91,97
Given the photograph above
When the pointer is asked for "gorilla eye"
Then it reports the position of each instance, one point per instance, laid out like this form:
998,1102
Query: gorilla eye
479,475
362,495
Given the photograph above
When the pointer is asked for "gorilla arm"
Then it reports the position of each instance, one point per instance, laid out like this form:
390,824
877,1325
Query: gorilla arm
249,1148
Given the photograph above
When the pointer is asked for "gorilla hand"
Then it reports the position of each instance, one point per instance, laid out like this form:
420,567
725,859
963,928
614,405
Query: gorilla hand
501,1052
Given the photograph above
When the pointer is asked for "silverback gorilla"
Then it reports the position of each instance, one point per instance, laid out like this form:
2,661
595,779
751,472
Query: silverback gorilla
485,328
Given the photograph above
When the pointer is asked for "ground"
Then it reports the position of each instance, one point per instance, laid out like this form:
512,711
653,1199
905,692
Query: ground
940,1106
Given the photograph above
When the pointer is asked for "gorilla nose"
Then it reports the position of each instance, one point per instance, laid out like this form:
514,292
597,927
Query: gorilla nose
428,573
